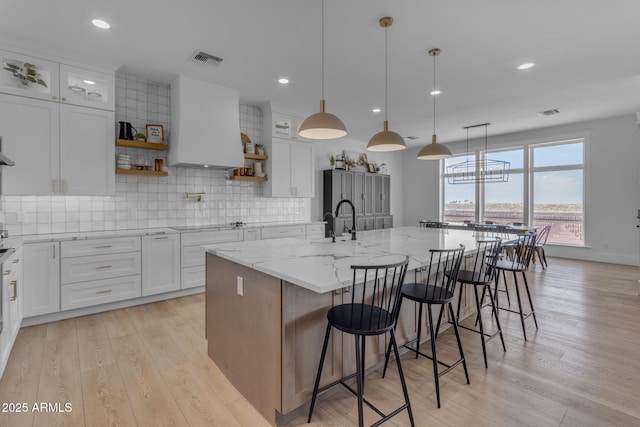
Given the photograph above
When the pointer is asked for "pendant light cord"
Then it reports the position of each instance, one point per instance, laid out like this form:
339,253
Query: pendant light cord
386,72
322,32
434,95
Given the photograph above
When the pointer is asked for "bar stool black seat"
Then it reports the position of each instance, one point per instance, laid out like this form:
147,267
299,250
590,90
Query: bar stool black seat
523,253
442,274
373,311
482,274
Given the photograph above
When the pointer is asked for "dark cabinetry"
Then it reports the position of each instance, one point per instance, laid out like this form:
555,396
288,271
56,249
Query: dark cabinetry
370,194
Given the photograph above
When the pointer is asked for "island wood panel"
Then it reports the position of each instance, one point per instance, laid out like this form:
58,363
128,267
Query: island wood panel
244,332
305,326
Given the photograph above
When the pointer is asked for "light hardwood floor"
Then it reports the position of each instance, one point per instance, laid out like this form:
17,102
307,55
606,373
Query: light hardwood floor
147,366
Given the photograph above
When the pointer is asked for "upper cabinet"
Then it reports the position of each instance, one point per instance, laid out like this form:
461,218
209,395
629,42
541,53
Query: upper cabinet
88,88
34,77
59,144
291,165
205,125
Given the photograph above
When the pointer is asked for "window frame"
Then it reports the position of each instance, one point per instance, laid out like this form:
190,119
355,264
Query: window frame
528,170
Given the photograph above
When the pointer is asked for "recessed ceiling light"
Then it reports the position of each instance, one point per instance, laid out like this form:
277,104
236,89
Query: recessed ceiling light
435,92
206,166
526,66
283,81
101,24
376,110
89,82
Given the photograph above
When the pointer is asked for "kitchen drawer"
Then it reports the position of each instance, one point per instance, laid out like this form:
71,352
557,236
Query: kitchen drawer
11,267
193,277
100,246
192,256
82,269
252,234
315,231
211,237
95,292
284,231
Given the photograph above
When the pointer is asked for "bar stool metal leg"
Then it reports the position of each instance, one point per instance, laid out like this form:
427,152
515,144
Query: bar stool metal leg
319,374
434,356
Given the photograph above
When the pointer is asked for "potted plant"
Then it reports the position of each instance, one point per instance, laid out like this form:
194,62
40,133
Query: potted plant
26,73
332,160
140,137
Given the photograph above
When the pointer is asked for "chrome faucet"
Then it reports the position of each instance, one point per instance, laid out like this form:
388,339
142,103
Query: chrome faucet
353,214
332,233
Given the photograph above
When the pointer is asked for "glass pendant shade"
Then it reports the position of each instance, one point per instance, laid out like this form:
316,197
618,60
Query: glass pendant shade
386,140
434,151
322,125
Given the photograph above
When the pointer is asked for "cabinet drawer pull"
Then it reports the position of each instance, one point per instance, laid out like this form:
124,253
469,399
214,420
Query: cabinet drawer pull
108,291
161,238
14,283
17,260
103,247
8,272
103,266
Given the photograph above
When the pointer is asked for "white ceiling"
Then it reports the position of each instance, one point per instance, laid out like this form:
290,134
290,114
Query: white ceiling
586,51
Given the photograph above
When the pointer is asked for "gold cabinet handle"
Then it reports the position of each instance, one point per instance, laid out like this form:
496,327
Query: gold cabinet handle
65,187
101,267
17,260
8,272
54,185
64,99
103,247
161,238
108,291
14,283
54,97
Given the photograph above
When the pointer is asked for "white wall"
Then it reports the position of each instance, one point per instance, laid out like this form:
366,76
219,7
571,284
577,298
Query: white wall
394,161
612,189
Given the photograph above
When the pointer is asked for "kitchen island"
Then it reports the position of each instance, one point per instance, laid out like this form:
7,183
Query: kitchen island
266,305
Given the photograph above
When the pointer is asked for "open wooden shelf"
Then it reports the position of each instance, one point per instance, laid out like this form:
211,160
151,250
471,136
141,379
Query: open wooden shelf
141,172
255,156
141,144
248,178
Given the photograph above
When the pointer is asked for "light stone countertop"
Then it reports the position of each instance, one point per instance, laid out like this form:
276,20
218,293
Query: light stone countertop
322,266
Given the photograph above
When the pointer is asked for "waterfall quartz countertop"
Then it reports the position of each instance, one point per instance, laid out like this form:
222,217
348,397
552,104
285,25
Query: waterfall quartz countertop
323,266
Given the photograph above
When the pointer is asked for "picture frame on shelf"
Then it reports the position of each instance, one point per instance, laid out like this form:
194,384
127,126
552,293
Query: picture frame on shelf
155,133
371,168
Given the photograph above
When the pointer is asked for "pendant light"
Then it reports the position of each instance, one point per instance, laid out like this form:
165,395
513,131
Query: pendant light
479,170
386,140
434,151
322,125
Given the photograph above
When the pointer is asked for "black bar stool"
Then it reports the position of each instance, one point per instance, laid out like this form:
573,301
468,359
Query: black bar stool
442,274
523,252
365,316
482,274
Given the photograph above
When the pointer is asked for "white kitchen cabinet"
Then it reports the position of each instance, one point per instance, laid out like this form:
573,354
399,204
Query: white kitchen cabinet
47,71
96,292
160,264
11,288
58,82
252,234
96,267
87,152
56,149
284,231
88,88
290,169
31,138
41,278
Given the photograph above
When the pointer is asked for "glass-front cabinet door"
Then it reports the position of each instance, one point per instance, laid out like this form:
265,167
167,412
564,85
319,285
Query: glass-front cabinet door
79,86
29,76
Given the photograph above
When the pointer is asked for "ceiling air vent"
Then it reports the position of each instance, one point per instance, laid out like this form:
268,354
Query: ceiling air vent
549,112
200,57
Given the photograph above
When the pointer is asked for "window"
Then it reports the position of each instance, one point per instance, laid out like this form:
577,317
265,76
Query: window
558,190
545,187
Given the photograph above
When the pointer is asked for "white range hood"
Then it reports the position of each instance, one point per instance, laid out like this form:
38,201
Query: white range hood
205,125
